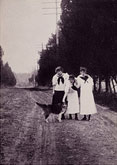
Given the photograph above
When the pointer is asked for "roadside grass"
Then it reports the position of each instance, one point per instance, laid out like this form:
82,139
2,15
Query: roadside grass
107,99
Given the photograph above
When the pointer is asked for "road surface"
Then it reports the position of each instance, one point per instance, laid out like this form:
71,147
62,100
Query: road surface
27,140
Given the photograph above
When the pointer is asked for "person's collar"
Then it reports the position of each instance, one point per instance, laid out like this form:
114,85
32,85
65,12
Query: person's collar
60,76
84,76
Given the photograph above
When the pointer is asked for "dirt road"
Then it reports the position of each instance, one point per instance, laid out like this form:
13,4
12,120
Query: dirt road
27,140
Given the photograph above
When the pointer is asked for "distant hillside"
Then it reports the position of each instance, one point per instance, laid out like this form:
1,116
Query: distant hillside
22,79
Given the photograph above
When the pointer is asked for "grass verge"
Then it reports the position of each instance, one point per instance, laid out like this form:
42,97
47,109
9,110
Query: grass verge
107,99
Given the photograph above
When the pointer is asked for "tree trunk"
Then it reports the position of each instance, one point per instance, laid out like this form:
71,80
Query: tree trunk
110,85
114,77
107,83
113,85
95,89
99,89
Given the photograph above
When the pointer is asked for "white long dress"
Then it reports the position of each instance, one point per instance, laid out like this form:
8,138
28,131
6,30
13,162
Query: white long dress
87,103
72,97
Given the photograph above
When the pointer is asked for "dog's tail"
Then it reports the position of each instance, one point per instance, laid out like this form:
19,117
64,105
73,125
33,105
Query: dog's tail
38,104
46,109
41,105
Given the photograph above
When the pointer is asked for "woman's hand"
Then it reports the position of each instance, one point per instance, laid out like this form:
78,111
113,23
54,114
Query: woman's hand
74,88
63,101
64,105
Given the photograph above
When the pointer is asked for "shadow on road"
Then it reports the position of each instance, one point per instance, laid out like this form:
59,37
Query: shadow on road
36,89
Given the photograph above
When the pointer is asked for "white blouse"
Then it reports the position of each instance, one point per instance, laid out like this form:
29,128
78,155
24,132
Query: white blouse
82,83
60,86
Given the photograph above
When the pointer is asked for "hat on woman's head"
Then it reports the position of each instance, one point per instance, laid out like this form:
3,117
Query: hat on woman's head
83,69
59,68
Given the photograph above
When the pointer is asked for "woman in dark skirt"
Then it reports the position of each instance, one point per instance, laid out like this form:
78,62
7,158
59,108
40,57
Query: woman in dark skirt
56,102
58,82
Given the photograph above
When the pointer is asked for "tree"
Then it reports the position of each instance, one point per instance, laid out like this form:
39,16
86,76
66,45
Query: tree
1,62
87,37
89,29
7,77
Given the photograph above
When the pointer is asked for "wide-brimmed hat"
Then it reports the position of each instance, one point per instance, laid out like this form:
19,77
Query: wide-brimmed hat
83,69
59,68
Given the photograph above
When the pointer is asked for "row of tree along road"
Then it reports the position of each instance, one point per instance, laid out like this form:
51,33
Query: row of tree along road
7,77
87,37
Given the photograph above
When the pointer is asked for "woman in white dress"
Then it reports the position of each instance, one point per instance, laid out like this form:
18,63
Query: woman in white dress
87,103
72,97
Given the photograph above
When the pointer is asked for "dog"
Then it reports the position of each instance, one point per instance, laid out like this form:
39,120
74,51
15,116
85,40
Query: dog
50,114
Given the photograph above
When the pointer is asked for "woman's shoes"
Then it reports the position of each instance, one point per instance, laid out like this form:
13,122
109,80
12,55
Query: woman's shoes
63,117
89,117
76,117
84,118
70,117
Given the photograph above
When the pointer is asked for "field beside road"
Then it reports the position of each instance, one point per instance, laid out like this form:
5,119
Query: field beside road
27,140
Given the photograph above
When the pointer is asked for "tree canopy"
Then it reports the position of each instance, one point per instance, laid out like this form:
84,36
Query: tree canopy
87,37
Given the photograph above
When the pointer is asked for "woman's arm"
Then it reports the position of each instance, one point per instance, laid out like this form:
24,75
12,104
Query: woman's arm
54,81
66,91
75,85
64,97
78,82
91,83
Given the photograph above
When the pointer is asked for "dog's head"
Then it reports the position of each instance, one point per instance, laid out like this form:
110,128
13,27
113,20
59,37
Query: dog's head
64,107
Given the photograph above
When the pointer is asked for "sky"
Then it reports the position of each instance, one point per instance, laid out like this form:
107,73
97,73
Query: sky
23,28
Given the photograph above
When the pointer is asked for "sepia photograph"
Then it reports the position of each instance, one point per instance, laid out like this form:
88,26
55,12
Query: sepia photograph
58,82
